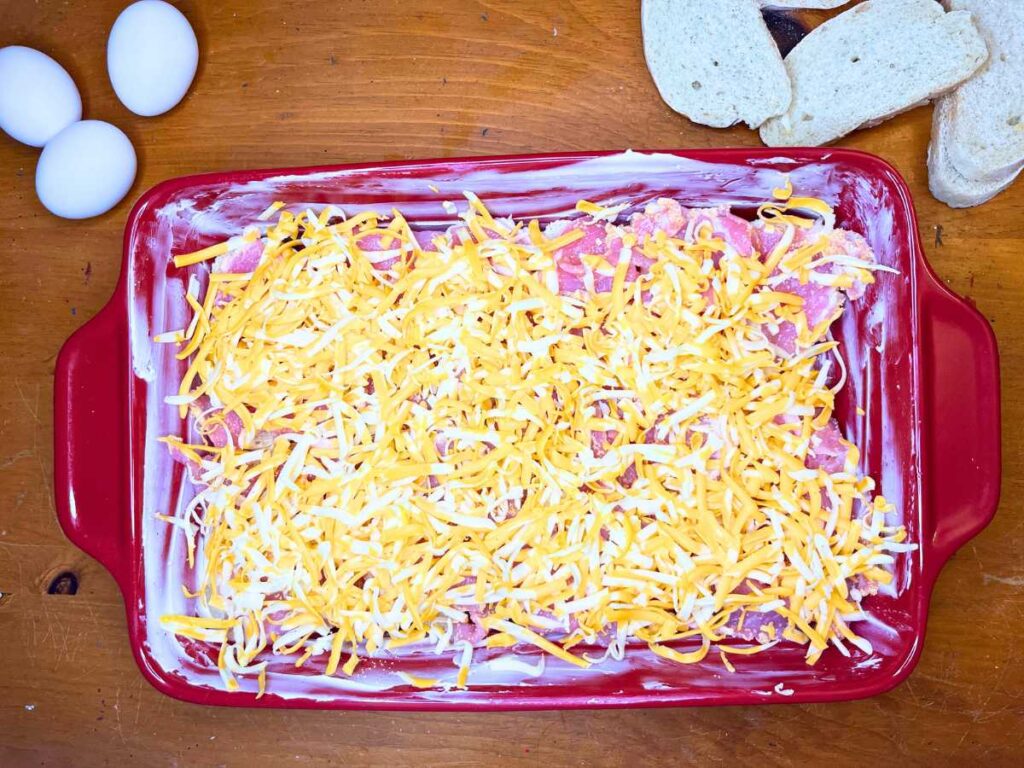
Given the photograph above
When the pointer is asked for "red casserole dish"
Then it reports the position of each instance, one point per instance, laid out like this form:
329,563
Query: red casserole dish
922,366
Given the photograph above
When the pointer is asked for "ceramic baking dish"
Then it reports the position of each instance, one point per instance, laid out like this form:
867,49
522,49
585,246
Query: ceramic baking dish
922,366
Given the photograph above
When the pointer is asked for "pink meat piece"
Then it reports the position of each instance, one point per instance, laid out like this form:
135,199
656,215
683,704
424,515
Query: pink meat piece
178,456
472,632
629,476
834,459
441,445
241,260
814,462
598,239
821,302
221,432
755,625
709,296
569,259
828,449
457,234
217,430
602,284
662,215
504,511
651,435
826,501
864,585
843,242
726,226
375,243
191,467
708,428
601,440
638,263
569,283
425,239
765,237
595,241
754,622
507,509
784,338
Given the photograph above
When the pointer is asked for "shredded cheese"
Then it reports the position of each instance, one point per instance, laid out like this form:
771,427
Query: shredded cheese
400,438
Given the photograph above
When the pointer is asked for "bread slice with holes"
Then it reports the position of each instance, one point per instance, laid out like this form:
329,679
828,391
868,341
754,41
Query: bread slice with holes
819,4
986,114
945,180
869,63
714,60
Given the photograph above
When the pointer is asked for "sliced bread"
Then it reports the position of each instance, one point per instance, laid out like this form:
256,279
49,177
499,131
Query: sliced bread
986,114
714,60
872,62
823,4
944,180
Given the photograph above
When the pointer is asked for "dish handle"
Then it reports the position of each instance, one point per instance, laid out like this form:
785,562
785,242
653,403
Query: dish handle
90,434
960,371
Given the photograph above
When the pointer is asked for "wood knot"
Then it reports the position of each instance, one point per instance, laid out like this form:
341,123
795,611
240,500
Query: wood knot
64,583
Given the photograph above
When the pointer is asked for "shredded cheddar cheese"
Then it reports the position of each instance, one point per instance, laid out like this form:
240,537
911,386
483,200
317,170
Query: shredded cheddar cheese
403,441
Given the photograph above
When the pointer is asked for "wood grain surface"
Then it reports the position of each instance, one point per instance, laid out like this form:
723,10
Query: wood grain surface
292,83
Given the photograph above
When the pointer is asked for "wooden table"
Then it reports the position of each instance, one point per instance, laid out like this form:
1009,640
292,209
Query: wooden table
292,83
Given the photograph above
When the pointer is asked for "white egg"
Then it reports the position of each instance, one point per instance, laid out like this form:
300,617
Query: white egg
38,98
85,170
152,55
